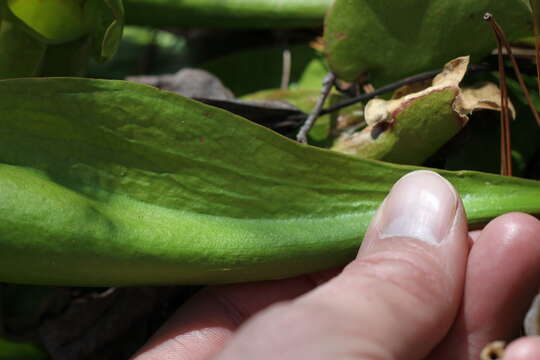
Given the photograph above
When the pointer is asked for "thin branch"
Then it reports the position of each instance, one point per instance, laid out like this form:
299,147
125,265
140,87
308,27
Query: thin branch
394,86
328,83
506,148
385,89
286,73
382,90
502,38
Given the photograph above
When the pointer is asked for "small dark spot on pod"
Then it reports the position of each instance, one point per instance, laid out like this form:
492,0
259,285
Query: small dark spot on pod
378,129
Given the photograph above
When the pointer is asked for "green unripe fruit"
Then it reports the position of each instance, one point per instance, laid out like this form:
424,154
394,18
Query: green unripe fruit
67,24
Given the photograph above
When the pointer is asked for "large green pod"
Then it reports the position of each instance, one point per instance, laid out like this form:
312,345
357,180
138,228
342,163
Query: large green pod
390,39
114,183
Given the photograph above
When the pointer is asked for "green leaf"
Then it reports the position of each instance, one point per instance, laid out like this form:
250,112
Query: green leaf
392,39
114,183
430,118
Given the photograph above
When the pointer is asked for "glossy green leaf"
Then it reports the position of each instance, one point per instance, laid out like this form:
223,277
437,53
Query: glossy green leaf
392,39
396,139
114,183
227,14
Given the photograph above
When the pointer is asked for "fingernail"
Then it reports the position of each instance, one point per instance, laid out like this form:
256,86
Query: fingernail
421,205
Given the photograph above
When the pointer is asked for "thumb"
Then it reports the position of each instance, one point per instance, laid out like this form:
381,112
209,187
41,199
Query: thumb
397,300
415,253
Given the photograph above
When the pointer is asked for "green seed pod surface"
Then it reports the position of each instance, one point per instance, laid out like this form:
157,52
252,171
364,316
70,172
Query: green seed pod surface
114,183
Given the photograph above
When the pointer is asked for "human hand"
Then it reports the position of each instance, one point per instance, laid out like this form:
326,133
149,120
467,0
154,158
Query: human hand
420,288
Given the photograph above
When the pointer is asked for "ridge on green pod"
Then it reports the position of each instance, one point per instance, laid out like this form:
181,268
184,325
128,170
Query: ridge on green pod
389,40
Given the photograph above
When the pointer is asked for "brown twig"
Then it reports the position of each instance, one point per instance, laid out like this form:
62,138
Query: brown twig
506,147
328,83
499,33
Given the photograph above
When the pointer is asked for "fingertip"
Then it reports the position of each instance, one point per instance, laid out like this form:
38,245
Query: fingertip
421,223
511,223
513,233
503,275
520,217
422,205
525,348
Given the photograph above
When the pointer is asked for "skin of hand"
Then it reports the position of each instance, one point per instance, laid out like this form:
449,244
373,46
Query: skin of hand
421,287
